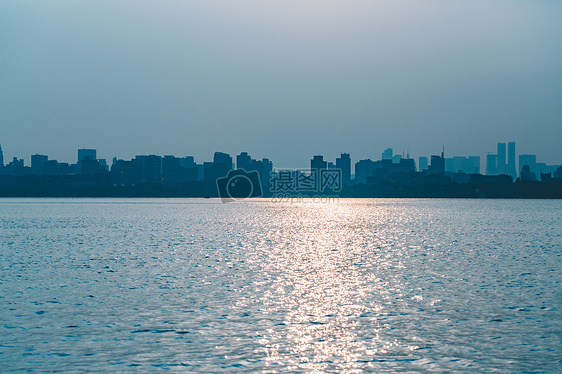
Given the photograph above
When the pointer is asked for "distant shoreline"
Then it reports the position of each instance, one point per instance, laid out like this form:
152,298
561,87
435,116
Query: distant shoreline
53,187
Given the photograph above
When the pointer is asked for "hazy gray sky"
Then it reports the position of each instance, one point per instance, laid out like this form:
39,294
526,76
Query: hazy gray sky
280,77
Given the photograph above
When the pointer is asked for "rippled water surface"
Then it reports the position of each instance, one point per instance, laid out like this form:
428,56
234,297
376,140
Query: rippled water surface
193,285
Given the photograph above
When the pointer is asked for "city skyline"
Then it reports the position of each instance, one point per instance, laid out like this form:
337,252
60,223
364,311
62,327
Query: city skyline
390,176
10,152
478,164
506,161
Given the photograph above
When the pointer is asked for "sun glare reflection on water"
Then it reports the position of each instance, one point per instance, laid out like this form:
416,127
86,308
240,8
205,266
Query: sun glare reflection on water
331,295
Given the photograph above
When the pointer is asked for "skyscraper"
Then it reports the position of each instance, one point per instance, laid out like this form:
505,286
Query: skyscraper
511,169
437,164
151,167
38,163
502,165
423,162
473,165
344,164
491,164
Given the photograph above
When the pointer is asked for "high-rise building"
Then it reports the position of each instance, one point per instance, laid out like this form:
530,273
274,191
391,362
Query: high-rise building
263,167
38,163
363,170
502,165
266,170
243,161
1,157
558,172
221,165
511,168
467,165
529,160
387,154
423,162
473,165
437,164
344,164
188,162
151,167
491,164
318,163
222,160
449,165
86,153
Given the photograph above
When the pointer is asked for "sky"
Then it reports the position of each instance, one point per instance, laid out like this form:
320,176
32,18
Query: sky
280,79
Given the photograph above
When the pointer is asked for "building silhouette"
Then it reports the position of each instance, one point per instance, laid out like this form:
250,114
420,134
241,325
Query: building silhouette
244,161
86,163
528,160
437,165
423,163
366,170
151,168
264,167
502,165
1,158
86,153
179,170
511,168
344,164
318,163
527,175
15,167
491,164
221,165
461,164
387,154
126,173
392,176
38,163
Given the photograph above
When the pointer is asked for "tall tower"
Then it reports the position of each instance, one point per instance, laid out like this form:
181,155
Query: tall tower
502,166
344,164
422,164
511,169
491,164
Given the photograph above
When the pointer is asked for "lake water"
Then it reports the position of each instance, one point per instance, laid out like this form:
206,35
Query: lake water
366,285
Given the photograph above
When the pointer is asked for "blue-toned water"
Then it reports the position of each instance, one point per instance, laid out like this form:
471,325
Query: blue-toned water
193,285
